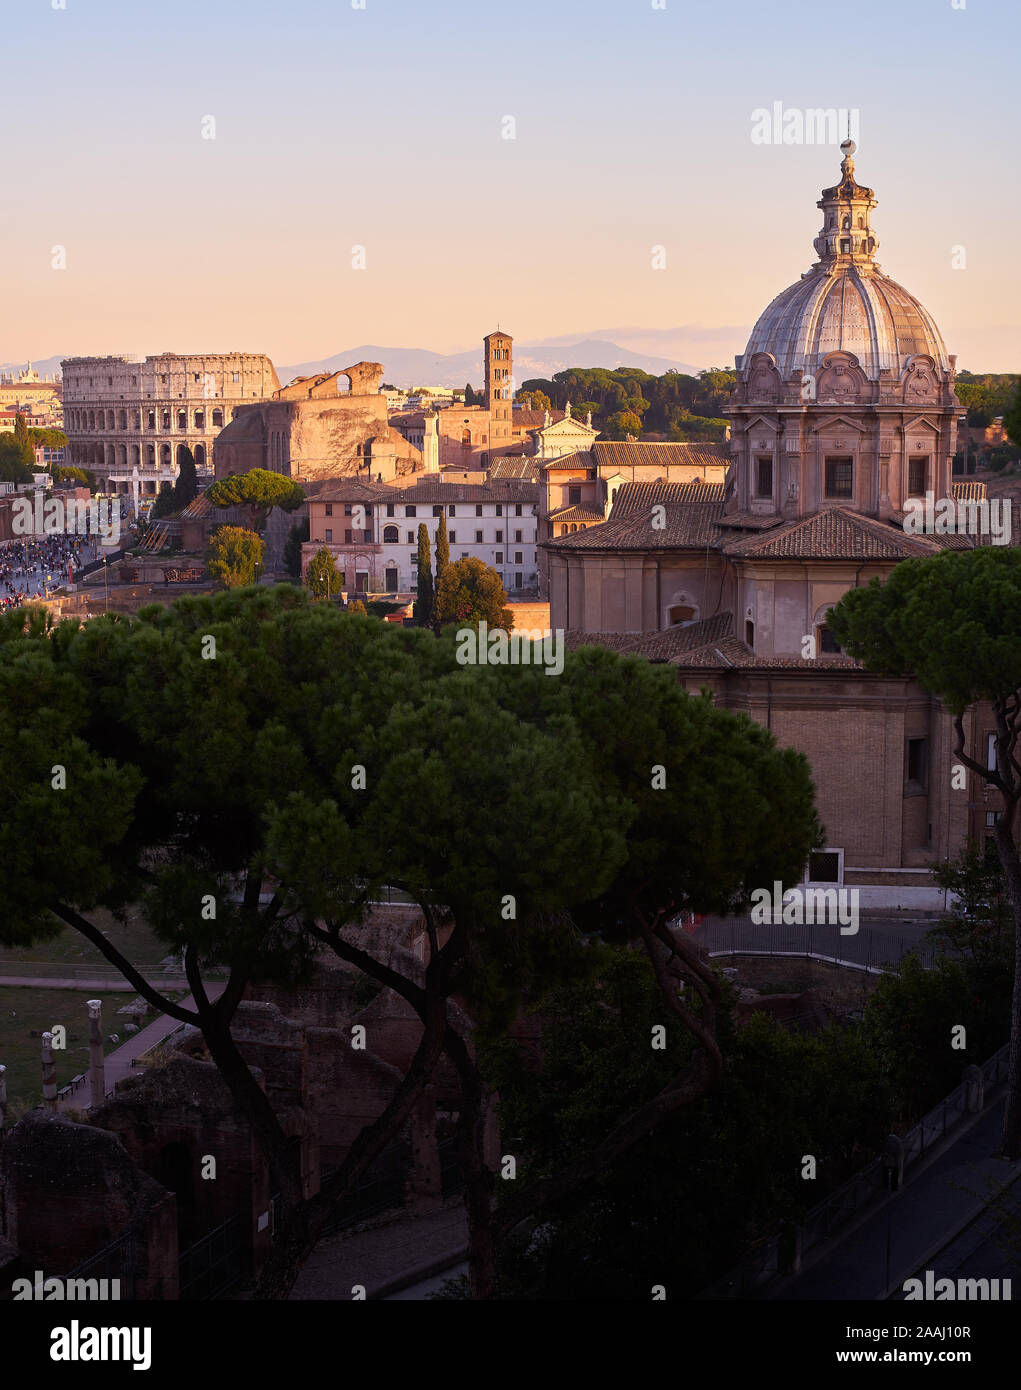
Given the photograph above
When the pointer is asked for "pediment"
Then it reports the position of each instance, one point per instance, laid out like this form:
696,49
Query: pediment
840,422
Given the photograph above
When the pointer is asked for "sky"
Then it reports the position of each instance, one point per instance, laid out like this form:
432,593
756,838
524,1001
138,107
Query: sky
383,127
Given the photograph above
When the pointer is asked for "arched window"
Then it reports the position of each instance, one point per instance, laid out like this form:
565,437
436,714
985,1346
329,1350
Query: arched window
182,419
218,419
200,456
391,535
845,226
109,419
200,419
466,438
124,419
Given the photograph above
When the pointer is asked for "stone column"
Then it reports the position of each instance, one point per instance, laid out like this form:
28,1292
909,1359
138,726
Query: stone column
97,1070
49,1073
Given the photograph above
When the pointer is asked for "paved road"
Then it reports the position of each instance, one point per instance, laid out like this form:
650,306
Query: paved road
107,985
120,1062
415,1249
878,940
942,1199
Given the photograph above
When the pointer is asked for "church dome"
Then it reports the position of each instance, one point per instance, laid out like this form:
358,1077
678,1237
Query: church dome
844,303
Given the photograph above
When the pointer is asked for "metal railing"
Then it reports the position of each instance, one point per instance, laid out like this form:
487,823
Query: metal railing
868,949
836,1211
216,1262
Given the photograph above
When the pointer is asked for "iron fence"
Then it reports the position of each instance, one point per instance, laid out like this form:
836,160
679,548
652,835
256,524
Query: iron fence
867,949
216,1262
835,1212
117,1260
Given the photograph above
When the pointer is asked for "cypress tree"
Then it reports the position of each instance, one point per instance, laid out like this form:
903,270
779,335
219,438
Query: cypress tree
442,548
424,602
186,487
22,440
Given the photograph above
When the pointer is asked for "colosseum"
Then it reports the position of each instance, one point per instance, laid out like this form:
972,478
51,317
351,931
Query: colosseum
129,419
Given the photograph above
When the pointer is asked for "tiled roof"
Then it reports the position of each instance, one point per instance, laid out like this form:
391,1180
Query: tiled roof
668,645
514,466
837,533
353,490
630,497
582,459
499,490
688,525
617,453
731,654
588,515
535,419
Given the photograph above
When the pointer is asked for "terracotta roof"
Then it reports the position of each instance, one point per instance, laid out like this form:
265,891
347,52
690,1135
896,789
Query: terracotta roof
514,466
688,525
837,533
629,497
586,514
640,453
499,490
667,645
535,419
353,490
581,459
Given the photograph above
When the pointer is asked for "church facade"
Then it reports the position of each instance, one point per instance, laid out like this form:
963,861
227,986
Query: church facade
844,417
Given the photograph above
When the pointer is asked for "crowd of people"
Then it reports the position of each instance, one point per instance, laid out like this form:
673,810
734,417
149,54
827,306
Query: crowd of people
30,566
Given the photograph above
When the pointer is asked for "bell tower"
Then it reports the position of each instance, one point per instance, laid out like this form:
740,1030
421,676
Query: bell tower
499,387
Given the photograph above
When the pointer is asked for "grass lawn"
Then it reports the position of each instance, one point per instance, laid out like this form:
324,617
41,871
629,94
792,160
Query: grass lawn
23,1011
133,937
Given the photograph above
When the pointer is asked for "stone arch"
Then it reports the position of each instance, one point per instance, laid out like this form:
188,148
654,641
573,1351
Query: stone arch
200,455
164,455
109,420
150,456
181,449
681,610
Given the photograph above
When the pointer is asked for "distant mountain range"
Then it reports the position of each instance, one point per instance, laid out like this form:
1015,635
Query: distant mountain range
49,366
420,367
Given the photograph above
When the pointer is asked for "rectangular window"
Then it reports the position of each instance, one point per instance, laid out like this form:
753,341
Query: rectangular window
438,510
451,510
347,508
499,535
329,534
918,470
574,496
517,558
478,537
411,511
840,477
349,537
991,752
917,765
749,633
825,866
499,558
367,535
411,538
329,509
828,643
389,509
452,538
763,477
499,509
517,508
517,581
478,508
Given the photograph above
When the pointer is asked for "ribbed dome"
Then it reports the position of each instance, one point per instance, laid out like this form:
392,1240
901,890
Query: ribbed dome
845,303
